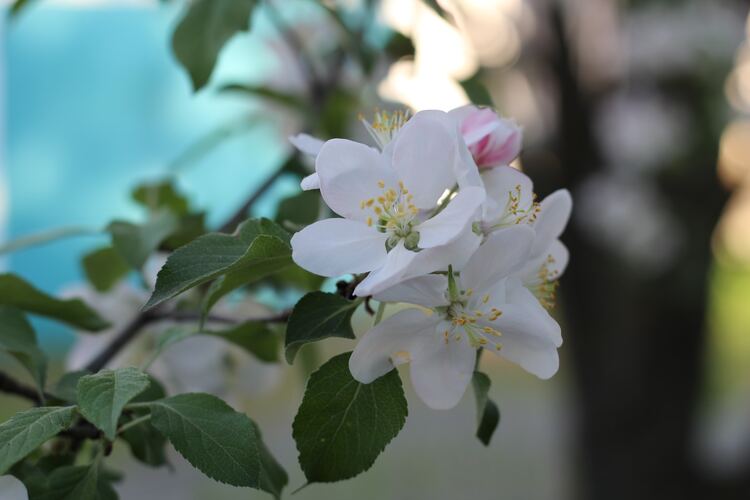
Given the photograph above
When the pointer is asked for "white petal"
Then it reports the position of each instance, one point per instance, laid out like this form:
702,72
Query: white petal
502,182
536,356
460,113
333,247
428,291
405,336
523,316
307,144
555,258
350,173
310,182
424,155
12,488
448,224
552,219
392,272
441,379
503,253
406,264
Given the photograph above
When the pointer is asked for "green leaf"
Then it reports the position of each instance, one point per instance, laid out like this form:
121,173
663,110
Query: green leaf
399,46
258,248
102,396
254,337
488,414
317,316
146,443
18,6
135,242
66,388
299,210
273,477
289,100
17,337
104,267
14,291
342,425
80,482
27,430
45,237
190,227
161,195
202,32
214,438
476,91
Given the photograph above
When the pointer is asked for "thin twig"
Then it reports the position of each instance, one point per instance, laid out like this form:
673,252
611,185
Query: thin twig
242,213
11,386
120,340
294,42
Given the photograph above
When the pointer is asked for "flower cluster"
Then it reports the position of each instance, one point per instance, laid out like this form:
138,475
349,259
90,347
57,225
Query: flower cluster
437,218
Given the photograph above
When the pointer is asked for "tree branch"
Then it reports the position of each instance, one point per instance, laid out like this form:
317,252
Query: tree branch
11,386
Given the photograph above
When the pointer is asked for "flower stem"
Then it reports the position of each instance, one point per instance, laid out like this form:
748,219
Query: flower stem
133,423
379,313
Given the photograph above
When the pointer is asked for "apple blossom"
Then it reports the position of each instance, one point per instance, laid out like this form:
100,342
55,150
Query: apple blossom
391,224
511,201
485,306
493,141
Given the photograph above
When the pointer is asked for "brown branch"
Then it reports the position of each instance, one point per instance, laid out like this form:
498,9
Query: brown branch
11,386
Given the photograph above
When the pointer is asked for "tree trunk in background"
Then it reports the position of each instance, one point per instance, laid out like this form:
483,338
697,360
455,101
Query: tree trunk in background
636,342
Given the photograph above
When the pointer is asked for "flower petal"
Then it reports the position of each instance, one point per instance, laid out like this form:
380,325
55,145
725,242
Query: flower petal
502,182
425,151
441,378
393,271
350,173
333,247
553,217
407,264
503,253
448,224
310,182
522,315
307,144
534,355
556,260
405,336
428,291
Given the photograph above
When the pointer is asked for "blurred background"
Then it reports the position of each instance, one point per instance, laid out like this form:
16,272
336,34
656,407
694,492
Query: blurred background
641,108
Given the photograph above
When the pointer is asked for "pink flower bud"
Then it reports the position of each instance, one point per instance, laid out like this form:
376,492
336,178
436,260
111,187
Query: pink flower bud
492,140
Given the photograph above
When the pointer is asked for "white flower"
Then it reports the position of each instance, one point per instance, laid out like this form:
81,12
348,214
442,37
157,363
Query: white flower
485,306
391,225
511,201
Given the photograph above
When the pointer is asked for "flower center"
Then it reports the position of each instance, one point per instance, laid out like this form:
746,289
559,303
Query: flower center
514,213
393,213
463,322
544,287
385,125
